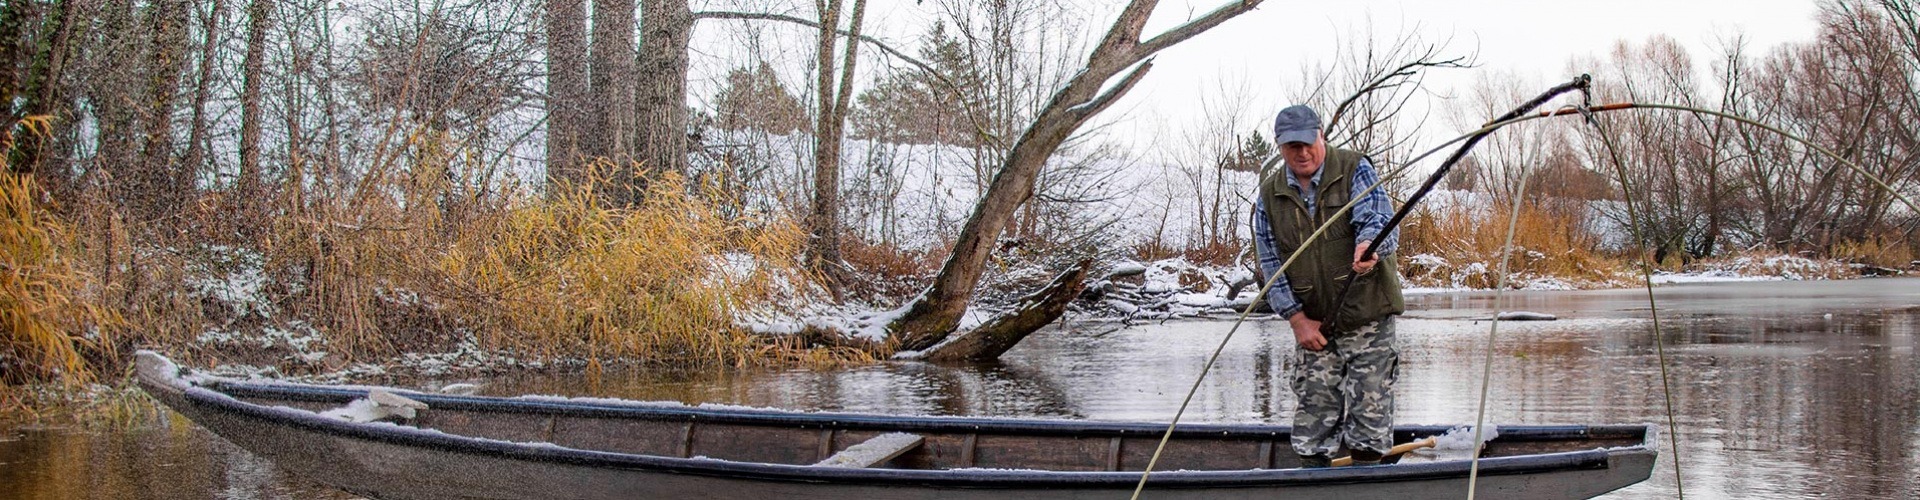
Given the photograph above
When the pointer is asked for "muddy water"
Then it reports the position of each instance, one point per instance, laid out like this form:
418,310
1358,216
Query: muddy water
1779,390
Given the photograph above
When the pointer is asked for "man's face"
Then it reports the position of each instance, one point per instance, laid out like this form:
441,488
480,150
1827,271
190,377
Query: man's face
1303,159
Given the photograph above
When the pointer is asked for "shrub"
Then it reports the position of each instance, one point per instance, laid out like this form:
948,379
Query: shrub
50,324
1460,246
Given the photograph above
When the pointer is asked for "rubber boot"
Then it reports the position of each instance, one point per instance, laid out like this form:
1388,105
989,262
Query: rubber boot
1315,461
1366,457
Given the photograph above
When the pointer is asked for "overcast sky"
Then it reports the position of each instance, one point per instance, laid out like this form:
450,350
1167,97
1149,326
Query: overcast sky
1531,40
1262,53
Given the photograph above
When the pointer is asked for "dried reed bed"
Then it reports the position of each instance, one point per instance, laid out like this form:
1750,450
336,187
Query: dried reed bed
53,329
1461,248
660,280
1886,250
410,260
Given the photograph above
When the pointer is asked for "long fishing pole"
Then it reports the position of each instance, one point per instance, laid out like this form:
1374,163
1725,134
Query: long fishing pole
1268,286
1581,83
1583,110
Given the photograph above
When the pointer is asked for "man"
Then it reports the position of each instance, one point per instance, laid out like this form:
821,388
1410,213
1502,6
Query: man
1343,373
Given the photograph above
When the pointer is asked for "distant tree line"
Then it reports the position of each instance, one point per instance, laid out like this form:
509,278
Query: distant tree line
1711,186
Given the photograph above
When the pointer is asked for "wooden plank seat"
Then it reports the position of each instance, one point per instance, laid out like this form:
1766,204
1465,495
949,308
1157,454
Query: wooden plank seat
874,451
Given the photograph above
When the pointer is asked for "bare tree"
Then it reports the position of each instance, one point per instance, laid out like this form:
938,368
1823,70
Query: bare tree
1364,91
567,89
198,135
612,77
44,82
253,77
113,48
1210,148
823,222
1504,160
14,17
661,86
935,314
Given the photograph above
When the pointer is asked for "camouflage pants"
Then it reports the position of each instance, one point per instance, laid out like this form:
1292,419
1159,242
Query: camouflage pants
1345,392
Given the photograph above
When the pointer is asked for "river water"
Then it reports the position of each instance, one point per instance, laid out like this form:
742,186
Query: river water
1778,390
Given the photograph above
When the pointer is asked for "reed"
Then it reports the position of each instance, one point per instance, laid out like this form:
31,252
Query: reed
1461,247
658,280
52,328
416,255
1883,251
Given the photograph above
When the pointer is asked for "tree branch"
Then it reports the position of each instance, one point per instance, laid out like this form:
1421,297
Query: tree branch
1099,103
756,16
1126,29
1405,70
1194,27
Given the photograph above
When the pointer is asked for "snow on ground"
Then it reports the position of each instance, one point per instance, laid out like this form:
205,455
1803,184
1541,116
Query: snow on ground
1664,278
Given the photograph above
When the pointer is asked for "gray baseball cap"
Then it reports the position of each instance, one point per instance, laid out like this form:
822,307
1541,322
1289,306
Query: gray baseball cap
1297,123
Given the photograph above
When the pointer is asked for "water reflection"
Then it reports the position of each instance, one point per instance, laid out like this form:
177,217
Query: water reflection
1778,390
174,460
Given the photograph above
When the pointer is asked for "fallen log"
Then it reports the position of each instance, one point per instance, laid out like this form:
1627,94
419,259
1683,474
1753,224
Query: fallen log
1029,314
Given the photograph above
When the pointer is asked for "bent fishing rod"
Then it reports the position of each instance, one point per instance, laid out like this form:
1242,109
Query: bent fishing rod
1516,116
1582,83
1587,110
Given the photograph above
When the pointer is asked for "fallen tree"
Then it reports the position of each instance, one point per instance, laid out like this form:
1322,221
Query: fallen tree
935,314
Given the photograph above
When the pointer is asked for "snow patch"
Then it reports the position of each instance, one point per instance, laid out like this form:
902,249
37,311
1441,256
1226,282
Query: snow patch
1461,437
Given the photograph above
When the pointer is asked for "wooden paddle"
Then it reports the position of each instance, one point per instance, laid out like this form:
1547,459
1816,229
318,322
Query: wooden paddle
1429,442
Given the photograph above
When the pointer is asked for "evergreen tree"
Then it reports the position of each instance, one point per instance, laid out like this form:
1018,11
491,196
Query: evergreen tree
755,99
914,107
1250,153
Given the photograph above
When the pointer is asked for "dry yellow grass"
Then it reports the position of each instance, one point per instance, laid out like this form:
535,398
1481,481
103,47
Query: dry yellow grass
1883,251
657,280
1551,242
51,327
400,260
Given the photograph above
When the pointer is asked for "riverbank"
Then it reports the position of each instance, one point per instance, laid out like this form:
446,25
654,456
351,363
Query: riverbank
1163,290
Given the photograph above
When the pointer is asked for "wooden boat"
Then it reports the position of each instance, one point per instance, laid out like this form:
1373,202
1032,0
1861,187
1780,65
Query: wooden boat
548,447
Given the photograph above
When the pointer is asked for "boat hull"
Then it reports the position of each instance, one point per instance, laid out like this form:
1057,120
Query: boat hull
389,461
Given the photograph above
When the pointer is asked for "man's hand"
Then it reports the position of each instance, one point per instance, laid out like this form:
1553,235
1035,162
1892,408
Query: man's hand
1306,332
1363,266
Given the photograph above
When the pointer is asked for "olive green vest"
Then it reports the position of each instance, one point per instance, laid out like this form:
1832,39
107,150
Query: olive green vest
1317,275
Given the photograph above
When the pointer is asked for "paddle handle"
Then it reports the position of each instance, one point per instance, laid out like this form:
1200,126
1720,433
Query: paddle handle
1402,448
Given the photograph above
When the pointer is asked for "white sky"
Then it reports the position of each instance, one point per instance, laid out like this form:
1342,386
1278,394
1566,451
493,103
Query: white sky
1533,40
1265,51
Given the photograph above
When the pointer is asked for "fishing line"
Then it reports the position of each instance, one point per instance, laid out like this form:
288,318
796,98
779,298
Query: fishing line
1311,239
1653,309
1315,236
1486,370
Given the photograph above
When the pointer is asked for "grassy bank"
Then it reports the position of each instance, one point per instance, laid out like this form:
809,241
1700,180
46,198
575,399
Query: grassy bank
331,277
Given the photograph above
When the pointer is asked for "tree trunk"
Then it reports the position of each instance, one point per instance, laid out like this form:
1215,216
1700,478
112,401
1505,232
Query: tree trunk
203,88
253,75
13,46
567,89
43,82
116,143
994,338
823,224
660,89
156,189
610,82
165,186
934,314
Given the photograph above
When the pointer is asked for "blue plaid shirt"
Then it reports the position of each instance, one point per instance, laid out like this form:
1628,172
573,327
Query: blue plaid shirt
1369,217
